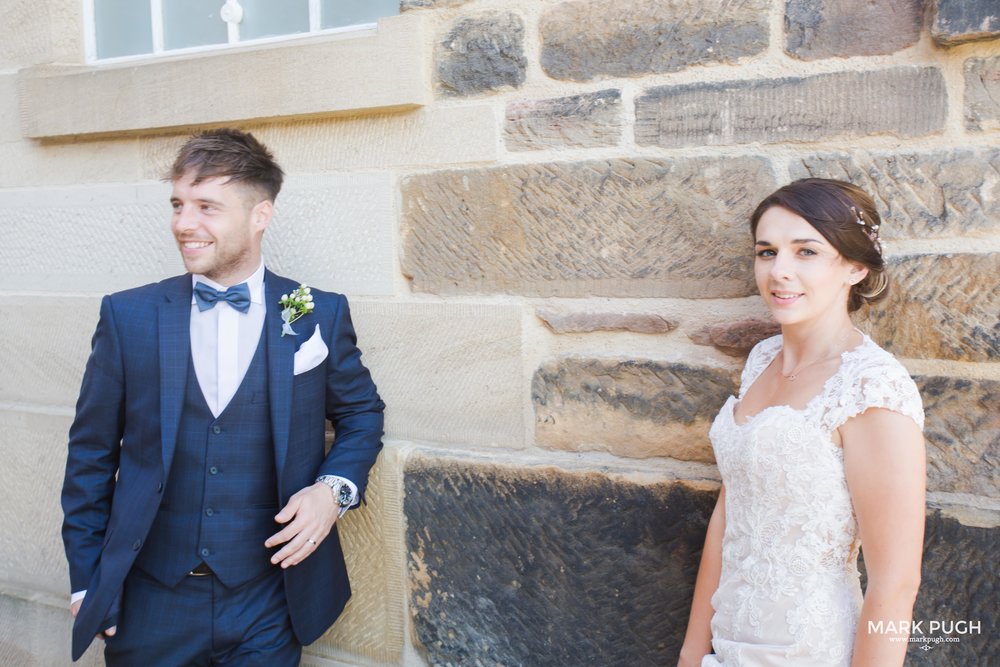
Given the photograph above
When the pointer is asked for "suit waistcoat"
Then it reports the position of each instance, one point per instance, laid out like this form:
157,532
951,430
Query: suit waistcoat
221,493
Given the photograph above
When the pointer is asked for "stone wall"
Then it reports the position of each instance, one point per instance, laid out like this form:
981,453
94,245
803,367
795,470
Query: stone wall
546,253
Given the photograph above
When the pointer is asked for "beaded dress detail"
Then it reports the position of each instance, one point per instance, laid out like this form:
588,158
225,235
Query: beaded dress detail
789,592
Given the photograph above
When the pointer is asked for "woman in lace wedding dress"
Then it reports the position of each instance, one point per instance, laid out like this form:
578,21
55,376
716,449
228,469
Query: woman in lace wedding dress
821,448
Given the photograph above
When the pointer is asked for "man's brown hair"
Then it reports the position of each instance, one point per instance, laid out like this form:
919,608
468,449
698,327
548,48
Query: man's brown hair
232,154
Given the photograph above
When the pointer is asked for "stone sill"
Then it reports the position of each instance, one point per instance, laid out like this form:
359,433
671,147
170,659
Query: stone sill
349,74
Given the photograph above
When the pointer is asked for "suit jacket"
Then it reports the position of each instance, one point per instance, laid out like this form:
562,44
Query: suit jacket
124,435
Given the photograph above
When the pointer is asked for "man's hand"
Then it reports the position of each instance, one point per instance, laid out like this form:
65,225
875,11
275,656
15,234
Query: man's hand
75,609
312,513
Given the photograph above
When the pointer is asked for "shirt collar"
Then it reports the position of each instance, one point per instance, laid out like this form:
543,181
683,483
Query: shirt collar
255,282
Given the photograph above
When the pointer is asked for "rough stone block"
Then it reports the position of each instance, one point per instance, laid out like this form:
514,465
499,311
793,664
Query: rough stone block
902,101
333,231
941,307
957,21
9,112
634,408
37,634
982,93
32,557
578,121
568,323
406,5
372,535
963,434
25,38
449,373
444,135
736,338
588,39
844,28
954,193
482,53
543,567
959,583
45,369
611,228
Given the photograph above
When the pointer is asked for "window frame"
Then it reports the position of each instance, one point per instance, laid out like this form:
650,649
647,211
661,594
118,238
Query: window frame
156,14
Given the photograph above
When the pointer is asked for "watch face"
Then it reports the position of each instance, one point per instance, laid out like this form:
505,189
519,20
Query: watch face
344,495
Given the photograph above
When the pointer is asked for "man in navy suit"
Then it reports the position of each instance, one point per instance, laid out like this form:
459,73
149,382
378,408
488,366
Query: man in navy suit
199,498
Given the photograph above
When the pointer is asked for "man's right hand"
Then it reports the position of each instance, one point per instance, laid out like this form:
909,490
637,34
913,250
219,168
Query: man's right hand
75,609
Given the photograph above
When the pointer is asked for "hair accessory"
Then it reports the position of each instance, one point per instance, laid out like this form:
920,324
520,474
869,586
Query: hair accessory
871,231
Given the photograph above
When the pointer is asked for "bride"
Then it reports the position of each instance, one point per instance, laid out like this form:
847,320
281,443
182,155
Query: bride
821,451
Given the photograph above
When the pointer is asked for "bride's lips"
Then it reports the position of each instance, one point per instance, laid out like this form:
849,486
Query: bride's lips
785,298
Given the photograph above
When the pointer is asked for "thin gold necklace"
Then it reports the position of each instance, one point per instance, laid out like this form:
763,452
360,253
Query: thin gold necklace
791,377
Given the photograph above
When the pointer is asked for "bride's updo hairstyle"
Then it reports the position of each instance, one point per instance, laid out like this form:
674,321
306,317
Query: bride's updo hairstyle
846,217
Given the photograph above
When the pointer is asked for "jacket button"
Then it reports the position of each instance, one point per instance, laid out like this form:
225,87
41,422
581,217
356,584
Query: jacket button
216,429
209,512
213,470
204,552
136,545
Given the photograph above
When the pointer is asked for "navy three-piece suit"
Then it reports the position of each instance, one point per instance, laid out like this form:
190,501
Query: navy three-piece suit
155,482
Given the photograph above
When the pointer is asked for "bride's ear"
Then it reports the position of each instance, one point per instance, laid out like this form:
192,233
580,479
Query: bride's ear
857,273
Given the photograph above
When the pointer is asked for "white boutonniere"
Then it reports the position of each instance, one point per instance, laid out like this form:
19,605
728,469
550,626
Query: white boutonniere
294,306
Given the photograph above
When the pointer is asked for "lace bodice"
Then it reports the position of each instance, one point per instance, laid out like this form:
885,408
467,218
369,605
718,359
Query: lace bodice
789,592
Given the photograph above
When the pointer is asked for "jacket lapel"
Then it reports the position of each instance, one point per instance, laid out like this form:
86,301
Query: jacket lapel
175,354
280,366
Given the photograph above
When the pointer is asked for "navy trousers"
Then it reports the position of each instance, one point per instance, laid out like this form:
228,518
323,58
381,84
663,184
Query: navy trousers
201,622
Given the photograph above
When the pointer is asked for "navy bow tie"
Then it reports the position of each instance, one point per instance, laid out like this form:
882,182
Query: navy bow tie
237,296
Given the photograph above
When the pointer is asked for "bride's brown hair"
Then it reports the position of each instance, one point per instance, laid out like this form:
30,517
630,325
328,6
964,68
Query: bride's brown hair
846,217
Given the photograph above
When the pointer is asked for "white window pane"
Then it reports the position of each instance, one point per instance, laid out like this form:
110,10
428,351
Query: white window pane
265,18
192,23
337,13
122,27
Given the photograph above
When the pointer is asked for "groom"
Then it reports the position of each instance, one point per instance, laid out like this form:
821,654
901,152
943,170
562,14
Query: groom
199,497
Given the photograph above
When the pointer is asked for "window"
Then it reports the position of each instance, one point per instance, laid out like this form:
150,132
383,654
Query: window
128,28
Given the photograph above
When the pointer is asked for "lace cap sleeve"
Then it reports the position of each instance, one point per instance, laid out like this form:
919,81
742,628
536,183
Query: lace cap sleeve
875,380
760,356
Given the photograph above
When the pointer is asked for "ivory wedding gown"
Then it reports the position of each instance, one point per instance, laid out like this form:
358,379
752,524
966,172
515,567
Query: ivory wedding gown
789,592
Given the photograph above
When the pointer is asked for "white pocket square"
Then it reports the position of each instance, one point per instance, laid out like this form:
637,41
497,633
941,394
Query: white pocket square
311,354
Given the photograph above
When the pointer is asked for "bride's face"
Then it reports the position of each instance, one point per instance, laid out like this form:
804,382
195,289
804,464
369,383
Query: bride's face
801,277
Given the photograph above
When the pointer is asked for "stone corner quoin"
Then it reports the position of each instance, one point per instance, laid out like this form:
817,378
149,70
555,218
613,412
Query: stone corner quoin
482,53
901,101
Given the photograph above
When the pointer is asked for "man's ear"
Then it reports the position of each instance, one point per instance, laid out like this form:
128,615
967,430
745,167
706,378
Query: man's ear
260,215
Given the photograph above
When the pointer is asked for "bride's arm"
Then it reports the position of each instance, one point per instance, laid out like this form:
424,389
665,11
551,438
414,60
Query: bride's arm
698,638
884,460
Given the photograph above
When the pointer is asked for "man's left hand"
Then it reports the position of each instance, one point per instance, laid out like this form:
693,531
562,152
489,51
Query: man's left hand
310,515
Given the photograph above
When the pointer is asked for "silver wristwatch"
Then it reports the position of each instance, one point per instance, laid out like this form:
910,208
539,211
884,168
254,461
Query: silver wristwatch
342,493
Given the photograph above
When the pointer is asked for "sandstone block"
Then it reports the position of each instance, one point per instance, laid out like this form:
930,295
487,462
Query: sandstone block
9,113
31,164
919,195
941,306
736,338
45,370
449,373
957,21
958,582
963,434
38,634
482,53
372,623
444,135
902,101
845,28
567,323
579,121
634,408
110,237
982,93
612,228
34,448
539,566
588,39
